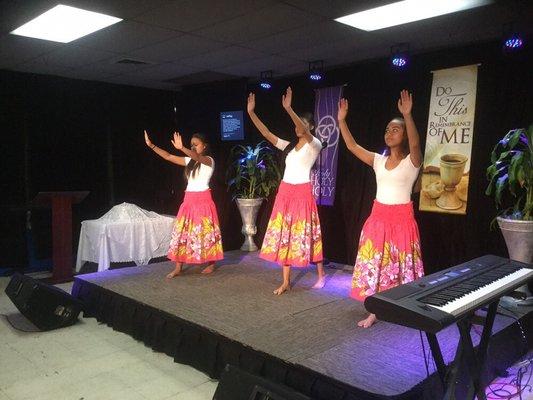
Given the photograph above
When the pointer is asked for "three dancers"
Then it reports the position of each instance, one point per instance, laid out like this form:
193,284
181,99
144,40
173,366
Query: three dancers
389,246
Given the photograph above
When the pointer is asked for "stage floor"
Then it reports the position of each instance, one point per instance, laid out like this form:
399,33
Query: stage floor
310,329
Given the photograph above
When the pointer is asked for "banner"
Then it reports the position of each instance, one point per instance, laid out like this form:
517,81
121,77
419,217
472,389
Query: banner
449,140
324,173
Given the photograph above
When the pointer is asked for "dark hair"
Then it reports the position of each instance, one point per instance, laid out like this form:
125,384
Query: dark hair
193,166
308,117
405,142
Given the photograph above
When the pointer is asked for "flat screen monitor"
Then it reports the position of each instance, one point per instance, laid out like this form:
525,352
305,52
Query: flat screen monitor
231,125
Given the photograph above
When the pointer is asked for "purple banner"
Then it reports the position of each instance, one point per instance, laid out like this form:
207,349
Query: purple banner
324,175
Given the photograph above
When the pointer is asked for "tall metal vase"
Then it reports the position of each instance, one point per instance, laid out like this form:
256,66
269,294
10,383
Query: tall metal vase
249,209
518,237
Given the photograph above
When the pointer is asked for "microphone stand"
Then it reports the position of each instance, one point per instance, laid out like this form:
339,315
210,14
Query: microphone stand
325,261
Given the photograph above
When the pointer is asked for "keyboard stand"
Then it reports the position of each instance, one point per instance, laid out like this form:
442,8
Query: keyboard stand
466,356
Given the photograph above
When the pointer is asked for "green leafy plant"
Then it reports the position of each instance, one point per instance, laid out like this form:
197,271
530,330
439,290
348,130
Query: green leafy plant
254,171
511,174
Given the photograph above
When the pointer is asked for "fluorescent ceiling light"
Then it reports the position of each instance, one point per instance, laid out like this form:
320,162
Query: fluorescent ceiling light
65,24
403,12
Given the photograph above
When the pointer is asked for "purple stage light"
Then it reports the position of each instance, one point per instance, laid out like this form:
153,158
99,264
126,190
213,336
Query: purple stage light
265,80
514,42
316,70
399,61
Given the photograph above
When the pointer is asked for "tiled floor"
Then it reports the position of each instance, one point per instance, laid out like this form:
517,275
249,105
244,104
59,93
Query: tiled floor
91,361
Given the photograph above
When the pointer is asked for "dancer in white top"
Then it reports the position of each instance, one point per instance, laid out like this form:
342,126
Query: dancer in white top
389,247
293,236
196,237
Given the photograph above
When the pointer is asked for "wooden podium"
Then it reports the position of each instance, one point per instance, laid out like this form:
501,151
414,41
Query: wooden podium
61,204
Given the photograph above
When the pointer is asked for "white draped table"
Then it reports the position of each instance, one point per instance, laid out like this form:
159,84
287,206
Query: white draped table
124,233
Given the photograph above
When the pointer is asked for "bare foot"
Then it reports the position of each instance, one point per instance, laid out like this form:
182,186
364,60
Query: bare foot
209,269
173,274
368,321
320,283
282,289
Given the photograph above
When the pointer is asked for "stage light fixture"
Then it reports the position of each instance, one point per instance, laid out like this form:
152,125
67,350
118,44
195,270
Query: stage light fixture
512,41
265,81
399,57
64,24
316,70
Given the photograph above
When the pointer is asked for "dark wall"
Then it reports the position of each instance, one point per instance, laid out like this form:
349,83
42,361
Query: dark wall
88,136
77,135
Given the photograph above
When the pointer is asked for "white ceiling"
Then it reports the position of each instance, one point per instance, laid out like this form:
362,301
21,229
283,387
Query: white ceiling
192,41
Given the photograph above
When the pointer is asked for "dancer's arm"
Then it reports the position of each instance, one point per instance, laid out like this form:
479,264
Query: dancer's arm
250,107
286,101
405,105
163,153
178,144
359,151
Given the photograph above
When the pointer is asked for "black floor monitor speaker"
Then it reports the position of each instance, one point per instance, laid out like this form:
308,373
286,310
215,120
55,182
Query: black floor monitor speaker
236,384
46,306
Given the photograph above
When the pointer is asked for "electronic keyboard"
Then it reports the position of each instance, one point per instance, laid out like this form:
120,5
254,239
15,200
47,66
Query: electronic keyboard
435,301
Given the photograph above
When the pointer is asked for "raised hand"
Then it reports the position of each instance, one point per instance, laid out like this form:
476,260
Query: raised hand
286,99
343,110
147,139
176,141
250,106
405,102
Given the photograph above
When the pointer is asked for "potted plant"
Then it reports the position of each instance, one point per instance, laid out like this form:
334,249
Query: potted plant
253,174
511,183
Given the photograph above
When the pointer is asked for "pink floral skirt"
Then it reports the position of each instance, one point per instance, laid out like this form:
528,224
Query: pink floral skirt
389,250
196,237
293,234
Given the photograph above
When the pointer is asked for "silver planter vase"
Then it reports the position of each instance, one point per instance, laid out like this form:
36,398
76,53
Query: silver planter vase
518,237
249,209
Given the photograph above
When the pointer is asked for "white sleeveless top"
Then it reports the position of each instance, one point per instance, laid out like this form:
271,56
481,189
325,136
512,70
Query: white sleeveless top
394,186
299,162
200,181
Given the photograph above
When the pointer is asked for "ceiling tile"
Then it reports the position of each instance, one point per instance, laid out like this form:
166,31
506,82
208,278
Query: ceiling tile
255,67
189,15
117,8
162,72
126,36
112,67
336,8
223,57
16,49
40,67
260,23
177,48
75,56
306,36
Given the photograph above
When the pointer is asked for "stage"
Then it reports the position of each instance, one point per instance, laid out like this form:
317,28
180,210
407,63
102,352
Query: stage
306,339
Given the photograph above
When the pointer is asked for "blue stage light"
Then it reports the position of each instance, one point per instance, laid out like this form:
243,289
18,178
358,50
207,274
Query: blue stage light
316,70
399,55
265,80
513,43
399,61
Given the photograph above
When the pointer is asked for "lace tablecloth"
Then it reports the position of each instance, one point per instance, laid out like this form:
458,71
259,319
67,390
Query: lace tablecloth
124,233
